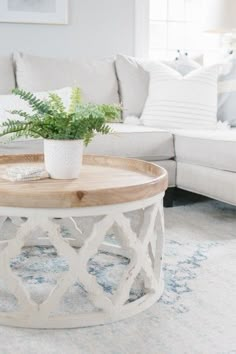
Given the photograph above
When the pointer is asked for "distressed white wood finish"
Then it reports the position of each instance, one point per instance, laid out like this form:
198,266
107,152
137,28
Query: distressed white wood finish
144,248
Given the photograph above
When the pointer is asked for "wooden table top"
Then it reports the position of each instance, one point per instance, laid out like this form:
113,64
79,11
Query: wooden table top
103,180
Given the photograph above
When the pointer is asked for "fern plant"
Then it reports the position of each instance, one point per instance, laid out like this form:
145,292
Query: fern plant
51,120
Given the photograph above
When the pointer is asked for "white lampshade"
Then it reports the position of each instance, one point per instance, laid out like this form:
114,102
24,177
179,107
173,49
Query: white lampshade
220,16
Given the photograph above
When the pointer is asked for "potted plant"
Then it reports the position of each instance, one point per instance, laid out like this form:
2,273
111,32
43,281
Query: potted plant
65,132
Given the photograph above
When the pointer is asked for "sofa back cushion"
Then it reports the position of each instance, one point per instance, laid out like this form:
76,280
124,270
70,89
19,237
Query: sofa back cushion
7,77
181,102
133,83
96,79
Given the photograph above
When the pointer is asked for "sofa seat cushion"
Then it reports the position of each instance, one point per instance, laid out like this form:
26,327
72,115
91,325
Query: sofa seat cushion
134,141
36,147
126,140
213,149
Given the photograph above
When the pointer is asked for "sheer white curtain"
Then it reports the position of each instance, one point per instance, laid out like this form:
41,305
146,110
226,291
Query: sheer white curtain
177,24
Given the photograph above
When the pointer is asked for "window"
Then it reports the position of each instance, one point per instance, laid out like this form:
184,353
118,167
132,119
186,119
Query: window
177,24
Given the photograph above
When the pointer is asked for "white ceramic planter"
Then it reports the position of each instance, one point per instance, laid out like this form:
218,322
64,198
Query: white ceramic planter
63,158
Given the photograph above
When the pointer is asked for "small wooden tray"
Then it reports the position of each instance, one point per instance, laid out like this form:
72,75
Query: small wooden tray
103,180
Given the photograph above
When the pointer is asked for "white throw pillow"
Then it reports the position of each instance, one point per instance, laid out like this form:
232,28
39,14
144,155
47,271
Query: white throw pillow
12,102
227,91
133,78
181,102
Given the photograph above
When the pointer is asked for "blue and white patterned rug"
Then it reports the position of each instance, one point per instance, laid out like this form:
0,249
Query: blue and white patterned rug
196,314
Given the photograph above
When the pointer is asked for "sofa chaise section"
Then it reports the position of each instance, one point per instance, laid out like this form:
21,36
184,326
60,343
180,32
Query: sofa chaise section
206,163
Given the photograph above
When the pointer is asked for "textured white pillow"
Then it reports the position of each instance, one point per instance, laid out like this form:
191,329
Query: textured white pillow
181,102
12,102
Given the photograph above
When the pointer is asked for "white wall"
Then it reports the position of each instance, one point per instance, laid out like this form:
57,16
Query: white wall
96,28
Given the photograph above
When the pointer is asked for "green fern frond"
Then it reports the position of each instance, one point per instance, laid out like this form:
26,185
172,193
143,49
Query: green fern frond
111,112
22,114
13,126
50,120
56,103
36,104
75,99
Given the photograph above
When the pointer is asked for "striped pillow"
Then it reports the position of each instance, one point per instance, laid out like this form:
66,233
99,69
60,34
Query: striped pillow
181,102
227,91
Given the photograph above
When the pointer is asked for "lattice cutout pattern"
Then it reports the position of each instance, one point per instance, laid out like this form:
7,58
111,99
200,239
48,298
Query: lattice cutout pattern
139,245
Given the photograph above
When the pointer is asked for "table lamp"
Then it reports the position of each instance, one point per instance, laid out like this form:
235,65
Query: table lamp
221,18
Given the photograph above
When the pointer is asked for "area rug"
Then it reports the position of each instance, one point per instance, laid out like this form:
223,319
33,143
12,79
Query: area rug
196,314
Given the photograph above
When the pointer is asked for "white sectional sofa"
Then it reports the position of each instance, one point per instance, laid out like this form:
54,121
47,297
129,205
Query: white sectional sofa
197,161
203,162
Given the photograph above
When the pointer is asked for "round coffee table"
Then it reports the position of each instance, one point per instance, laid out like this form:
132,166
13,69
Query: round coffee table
123,198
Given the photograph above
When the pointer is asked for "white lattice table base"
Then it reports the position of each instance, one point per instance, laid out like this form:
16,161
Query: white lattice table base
141,245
